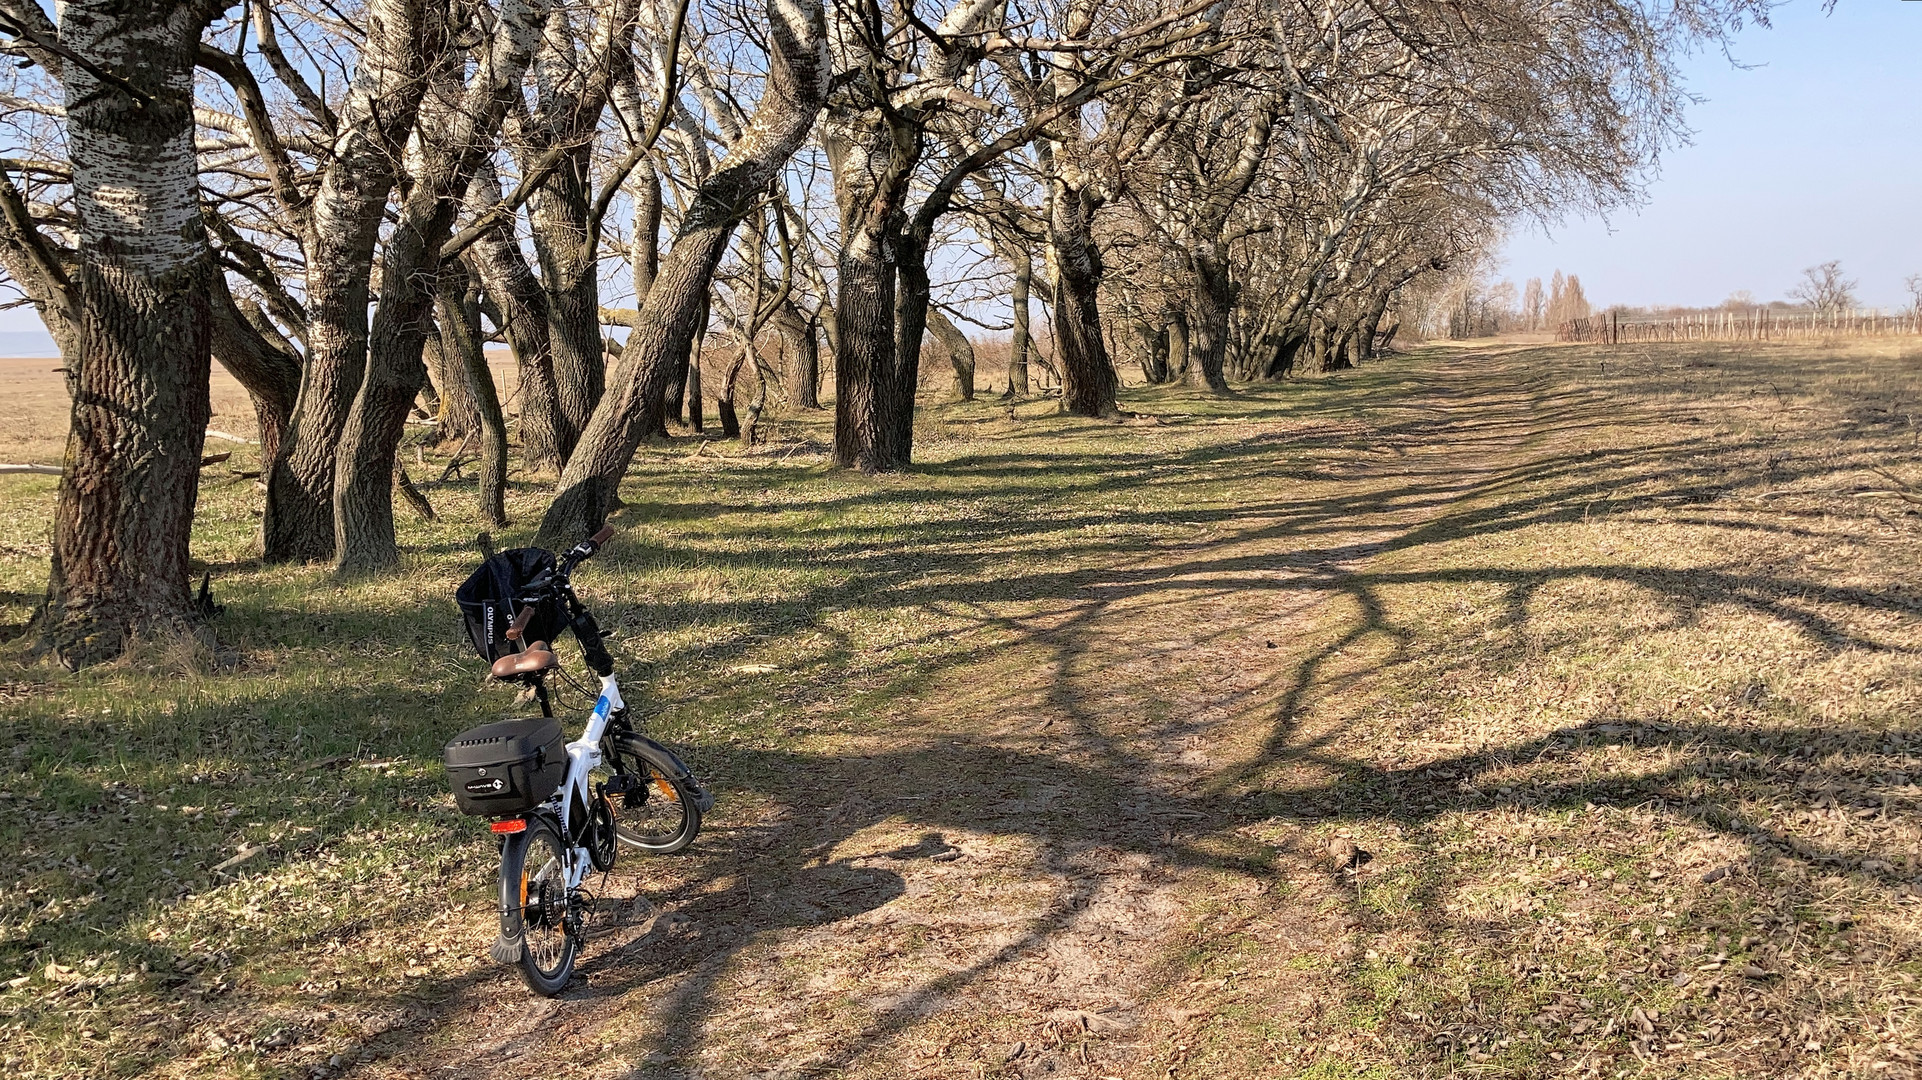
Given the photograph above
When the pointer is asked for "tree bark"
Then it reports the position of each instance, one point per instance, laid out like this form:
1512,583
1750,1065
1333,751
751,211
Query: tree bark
458,305
690,383
1212,302
458,412
1088,383
1180,356
569,277
504,273
265,366
124,509
1371,327
959,349
454,141
342,232
801,352
631,407
1019,345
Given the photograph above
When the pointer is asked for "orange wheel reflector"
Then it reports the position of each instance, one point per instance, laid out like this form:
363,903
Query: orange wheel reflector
511,825
666,789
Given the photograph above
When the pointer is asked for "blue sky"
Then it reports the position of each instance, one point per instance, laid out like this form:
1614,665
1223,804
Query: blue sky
1814,153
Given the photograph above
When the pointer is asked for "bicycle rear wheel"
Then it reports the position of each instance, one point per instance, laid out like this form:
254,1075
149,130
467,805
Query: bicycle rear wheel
534,882
660,810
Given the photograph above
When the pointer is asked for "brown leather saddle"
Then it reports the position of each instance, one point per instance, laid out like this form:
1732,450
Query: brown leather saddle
535,658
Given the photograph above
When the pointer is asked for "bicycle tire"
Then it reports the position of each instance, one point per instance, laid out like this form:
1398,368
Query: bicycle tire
534,895
661,813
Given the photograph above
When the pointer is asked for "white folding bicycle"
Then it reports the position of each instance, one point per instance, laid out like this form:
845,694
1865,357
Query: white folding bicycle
560,810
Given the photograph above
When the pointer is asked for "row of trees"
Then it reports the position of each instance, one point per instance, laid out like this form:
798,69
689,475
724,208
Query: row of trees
343,203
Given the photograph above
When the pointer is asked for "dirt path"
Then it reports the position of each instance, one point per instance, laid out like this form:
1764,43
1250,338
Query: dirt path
1018,878
1044,760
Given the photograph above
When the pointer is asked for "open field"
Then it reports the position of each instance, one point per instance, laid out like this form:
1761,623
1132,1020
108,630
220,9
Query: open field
1029,762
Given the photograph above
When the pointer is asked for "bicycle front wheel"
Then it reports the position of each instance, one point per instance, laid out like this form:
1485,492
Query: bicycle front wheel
660,810
534,881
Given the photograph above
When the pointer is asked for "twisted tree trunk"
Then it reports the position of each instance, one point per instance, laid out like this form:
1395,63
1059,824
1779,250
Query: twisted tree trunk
1019,345
342,231
454,141
667,322
1088,382
458,306
959,349
503,271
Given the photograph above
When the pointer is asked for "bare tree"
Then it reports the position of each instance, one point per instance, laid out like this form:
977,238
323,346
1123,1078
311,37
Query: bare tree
337,215
668,320
1825,289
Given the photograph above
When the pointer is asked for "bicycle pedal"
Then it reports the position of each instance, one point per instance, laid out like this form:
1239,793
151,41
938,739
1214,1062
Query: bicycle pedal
506,950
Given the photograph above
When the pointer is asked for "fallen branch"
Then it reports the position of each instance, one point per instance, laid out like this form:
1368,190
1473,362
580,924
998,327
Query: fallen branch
411,493
212,434
49,470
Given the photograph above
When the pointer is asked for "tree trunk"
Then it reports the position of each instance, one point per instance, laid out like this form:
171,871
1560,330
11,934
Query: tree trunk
691,384
1371,327
677,396
865,363
1287,349
511,283
1020,345
1088,382
959,349
458,305
795,87
872,159
364,536
346,217
454,141
267,367
1180,356
1331,349
569,277
459,413
124,509
1212,300
724,402
801,353
1150,348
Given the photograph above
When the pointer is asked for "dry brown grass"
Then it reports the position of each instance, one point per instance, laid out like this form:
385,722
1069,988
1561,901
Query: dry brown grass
1030,762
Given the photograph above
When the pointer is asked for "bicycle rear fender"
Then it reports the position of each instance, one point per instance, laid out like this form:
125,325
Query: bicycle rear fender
507,947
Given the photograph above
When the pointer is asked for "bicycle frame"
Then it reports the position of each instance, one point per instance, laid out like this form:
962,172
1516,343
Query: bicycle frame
583,755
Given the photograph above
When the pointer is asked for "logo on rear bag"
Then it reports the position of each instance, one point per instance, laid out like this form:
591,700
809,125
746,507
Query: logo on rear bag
486,787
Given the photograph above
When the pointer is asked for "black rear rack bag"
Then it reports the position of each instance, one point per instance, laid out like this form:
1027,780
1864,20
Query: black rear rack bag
507,767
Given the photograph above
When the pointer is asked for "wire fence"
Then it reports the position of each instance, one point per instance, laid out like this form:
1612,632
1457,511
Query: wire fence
1755,324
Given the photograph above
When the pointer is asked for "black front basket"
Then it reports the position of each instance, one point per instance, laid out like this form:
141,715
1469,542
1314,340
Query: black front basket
487,605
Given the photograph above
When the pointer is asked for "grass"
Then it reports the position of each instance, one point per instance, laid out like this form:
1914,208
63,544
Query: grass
1029,760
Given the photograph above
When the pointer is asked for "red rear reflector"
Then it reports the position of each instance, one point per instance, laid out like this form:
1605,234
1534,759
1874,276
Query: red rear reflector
515,825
